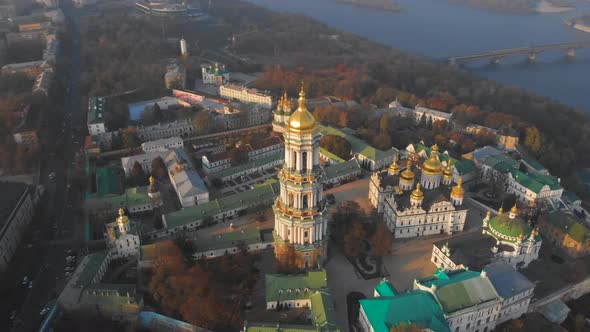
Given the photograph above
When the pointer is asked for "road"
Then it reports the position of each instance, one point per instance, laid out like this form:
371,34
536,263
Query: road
56,227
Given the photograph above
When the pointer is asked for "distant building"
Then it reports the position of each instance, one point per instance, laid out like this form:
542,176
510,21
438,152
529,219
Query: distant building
134,200
164,103
162,144
17,207
162,8
567,232
216,162
97,108
261,148
122,237
175,77
7,11
31,69
216,75
84,3
246,95
344,172
533,186
252,240
178,128
281,113
26,137
237,115
508,138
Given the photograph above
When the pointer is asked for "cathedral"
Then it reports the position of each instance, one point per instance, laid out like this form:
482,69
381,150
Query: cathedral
122,237
282,113
419,202
301,216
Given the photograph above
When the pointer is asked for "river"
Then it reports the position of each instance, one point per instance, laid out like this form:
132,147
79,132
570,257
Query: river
438,30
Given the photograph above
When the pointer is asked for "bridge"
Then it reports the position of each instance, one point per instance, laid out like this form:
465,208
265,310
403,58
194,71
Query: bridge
531,52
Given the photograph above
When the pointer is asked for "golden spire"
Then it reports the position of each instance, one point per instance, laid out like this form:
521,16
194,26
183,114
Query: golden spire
302,121
514,209
448,172
394,167
432,165
521,236
123,219
152,181
458,190
408,175
417,194
488,214
501,210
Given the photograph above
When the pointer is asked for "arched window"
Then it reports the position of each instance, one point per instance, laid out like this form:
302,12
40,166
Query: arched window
294,161
305,201
304,161
290,200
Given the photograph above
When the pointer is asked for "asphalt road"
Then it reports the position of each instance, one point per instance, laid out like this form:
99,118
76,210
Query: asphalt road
57,226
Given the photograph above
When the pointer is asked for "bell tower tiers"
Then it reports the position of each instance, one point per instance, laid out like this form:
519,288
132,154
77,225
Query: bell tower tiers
301,217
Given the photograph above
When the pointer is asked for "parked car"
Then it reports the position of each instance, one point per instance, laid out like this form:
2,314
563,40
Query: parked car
30,284
43,311
12,314
52,175
25,280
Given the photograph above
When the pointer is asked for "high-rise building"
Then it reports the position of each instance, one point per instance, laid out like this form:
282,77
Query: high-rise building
301,216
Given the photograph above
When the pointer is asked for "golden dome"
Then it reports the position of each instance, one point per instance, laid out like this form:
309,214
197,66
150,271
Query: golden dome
432,165
394,167
501,210
448,171
301,120
514,209
534,232
123,219
458,190
408,174
488,214
521,236
152,181
417,194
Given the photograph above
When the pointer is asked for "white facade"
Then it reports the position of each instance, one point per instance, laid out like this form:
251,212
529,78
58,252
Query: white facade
121,237
527,195
162,144
246,95
179,128
215,163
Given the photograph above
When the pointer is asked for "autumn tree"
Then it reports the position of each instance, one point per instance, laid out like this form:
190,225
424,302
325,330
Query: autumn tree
129,138
533,140
336,145
352,245
202,122
384,124
137,174
287,258
159,170
381,240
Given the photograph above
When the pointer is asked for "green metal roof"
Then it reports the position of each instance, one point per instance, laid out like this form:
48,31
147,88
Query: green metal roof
231,239
536,165
131,197
108,181
252,164
346,168
94,262
414,307
569,224
460,289
571,196
505,162
385,288
331,156
464,167
324,314
244,199
535,182
358,146
510,227
418,147
292,287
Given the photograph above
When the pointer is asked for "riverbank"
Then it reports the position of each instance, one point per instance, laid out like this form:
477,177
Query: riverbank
546,7
374,4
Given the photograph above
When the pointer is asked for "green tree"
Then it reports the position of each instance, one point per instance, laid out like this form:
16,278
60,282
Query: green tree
533,139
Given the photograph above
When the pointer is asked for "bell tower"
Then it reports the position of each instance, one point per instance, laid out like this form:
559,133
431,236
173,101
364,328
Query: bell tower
301,217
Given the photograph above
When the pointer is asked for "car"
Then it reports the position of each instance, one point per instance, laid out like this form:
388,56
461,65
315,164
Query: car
67,274
70,252
70,257
69,268
52,175
12,314
43,311
25,280
30,284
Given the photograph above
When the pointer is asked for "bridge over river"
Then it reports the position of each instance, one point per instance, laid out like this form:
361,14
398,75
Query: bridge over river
531,52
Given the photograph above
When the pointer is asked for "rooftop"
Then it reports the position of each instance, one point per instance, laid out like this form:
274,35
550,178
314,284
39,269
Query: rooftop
97,107
569,224
239,200
345,168
535,182
481,154
331,156
233,239
324,314
510,227
12,194
473,250
464,167
249,165
131,197
460,289
506,280
417,307
90,266
291,287
359,146
108,181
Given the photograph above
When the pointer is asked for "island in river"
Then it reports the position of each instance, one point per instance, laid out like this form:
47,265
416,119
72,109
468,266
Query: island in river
517,6
375,4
